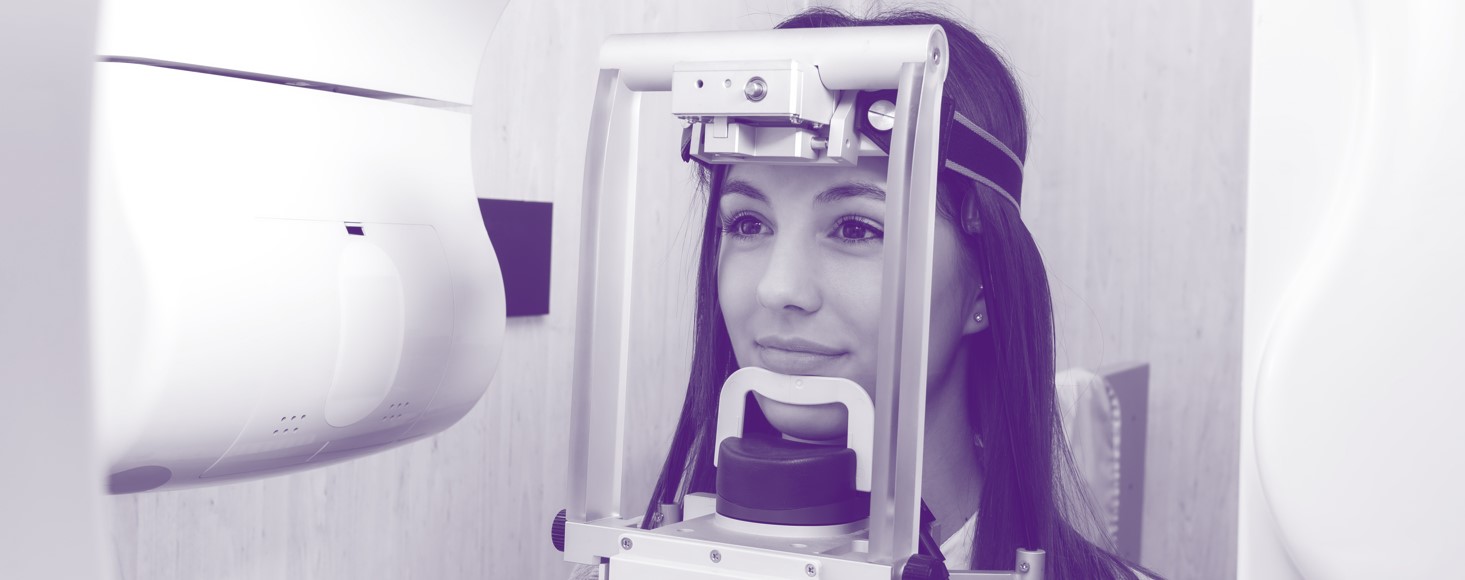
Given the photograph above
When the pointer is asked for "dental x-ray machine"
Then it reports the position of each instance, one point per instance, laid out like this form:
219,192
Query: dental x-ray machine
290,266
818,96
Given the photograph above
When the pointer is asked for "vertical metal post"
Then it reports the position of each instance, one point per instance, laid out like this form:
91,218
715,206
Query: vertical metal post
900,392
597,415
919,257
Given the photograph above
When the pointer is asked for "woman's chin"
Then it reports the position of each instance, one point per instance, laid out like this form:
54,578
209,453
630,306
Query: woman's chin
824,422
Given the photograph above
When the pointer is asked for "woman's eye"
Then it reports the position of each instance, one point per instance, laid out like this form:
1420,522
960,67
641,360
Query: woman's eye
744,225
749,227
857,230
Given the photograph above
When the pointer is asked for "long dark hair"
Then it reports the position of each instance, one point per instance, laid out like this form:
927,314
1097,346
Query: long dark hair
1029,498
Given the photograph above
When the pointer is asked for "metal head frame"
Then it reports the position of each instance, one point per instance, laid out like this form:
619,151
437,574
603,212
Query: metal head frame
792,83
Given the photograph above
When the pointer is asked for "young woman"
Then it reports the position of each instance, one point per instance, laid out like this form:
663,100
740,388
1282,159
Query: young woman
789,279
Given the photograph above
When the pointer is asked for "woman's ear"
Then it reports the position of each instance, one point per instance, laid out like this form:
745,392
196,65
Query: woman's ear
976,320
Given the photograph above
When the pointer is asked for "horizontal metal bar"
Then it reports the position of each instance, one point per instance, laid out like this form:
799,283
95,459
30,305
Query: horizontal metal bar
864,58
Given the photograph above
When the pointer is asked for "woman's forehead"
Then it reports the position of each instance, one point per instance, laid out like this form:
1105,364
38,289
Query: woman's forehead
825,183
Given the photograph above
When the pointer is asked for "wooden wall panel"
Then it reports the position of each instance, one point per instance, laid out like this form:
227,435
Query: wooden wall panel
1138,173
1134,190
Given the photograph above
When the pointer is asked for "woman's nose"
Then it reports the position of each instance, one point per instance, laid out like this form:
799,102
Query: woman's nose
789,282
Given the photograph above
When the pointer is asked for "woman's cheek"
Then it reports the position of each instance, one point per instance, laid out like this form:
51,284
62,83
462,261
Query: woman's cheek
736,293
855,286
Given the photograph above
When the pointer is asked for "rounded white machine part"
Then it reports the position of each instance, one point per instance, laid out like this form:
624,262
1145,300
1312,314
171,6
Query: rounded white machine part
1360,389
289,264
282,277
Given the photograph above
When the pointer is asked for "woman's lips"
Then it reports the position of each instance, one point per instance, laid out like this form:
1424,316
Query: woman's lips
794,356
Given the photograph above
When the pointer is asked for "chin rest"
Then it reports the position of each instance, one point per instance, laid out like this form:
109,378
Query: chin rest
769,480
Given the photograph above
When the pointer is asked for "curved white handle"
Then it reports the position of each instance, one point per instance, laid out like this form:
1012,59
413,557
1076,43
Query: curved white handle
800,390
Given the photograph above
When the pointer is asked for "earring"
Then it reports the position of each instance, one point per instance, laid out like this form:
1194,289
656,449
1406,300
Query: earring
978,315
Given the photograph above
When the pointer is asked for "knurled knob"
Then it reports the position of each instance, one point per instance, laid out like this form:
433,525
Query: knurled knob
923,567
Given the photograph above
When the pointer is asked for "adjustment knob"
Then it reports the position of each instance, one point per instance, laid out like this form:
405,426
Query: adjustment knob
557,531
756,89
923,567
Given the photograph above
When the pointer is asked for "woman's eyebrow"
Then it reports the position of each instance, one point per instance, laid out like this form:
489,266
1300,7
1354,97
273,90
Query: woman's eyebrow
849,190
743,188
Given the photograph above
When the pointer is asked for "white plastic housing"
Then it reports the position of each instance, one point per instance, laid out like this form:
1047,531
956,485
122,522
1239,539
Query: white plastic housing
1358,388
241,329
719,89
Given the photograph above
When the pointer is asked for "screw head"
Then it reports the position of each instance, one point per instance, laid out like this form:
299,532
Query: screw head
811,570
1023,567
625,543
936,55
716,556
756,89
881,115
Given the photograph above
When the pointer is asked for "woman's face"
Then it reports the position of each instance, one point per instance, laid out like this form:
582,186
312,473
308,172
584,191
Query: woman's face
799,279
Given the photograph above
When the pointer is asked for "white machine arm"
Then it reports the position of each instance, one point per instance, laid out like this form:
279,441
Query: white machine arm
866,58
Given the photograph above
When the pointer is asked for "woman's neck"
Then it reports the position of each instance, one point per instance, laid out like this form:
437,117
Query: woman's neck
951,481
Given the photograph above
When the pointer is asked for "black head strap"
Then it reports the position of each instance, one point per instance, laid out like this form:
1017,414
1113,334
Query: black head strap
965,148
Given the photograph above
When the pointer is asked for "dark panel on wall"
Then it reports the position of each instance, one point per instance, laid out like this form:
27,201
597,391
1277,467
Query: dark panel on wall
520,231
